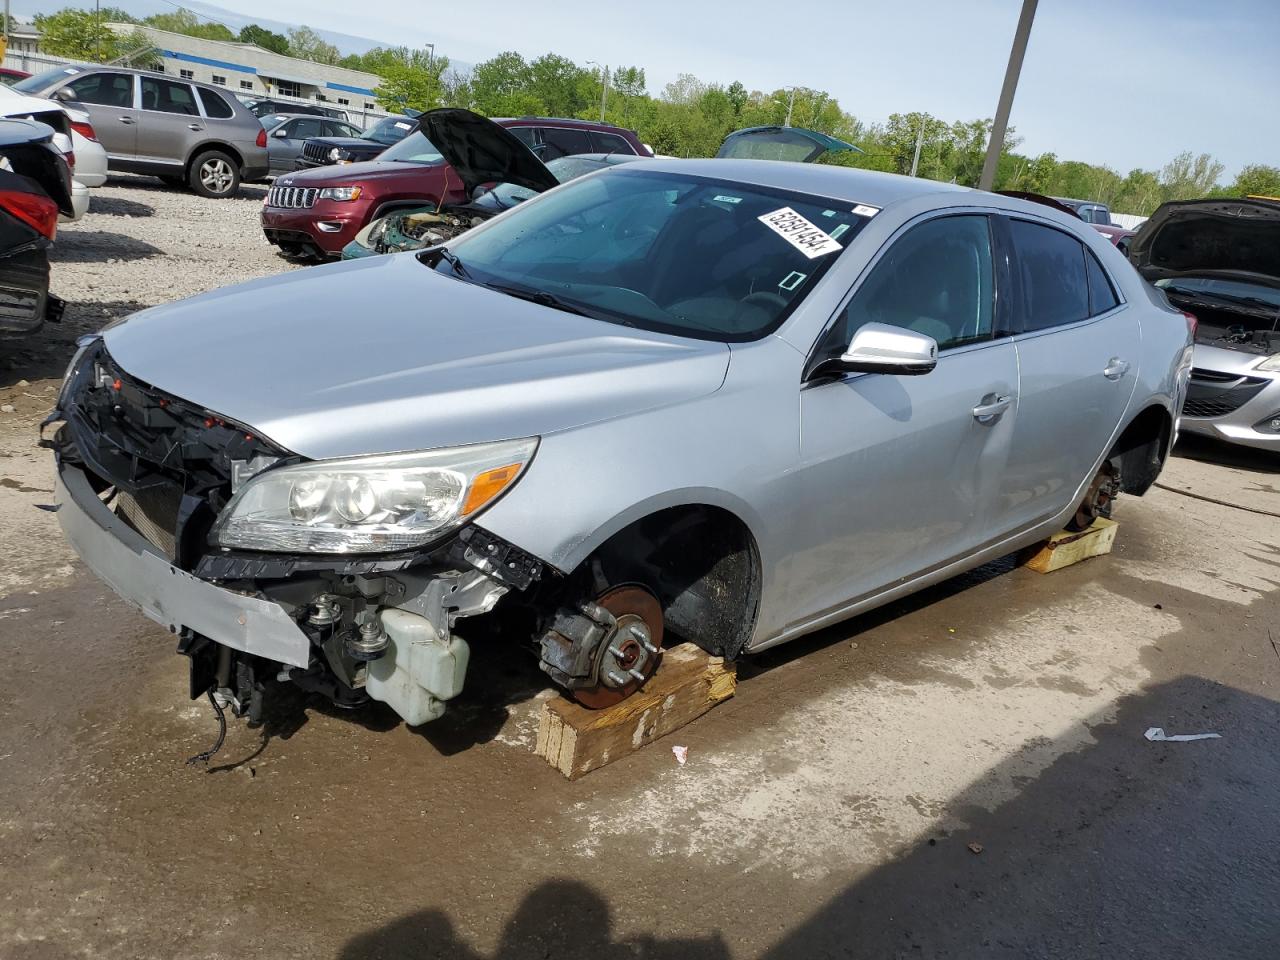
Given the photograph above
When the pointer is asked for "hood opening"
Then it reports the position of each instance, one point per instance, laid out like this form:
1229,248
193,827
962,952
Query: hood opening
482,152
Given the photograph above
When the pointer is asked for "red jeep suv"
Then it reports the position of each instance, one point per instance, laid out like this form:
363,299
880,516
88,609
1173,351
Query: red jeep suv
317,212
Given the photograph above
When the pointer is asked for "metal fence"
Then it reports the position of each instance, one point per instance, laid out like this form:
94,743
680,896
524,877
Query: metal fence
39,62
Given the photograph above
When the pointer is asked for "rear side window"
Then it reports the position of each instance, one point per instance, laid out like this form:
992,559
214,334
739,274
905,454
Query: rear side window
609,143
168,96
106,89
1051,275
214,105
562,142
1102,296
936,280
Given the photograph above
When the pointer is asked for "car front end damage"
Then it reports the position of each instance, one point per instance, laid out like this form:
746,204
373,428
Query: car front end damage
144,481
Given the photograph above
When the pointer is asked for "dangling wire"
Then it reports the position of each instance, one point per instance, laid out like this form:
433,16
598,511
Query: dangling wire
222,733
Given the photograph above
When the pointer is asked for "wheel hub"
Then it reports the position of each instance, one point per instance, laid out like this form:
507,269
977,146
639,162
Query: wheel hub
630,652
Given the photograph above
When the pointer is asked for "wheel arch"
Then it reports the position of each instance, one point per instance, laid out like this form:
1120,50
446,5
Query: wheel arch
221,146
699,554
1142,448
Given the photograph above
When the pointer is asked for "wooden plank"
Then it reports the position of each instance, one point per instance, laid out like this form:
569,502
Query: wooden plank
688,683
1065,548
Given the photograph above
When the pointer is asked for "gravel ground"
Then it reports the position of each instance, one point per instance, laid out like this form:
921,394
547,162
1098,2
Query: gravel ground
141,244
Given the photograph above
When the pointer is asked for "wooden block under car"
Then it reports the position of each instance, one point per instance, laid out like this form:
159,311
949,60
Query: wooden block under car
1065,548
688,683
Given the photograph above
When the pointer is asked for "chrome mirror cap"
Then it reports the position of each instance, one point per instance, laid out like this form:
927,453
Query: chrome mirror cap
880,348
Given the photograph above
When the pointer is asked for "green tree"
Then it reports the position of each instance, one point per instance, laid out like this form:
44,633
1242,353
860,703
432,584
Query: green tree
501,87
81,35
1187,177
185,22
267,39
412,81
562,87
1257,180
306,44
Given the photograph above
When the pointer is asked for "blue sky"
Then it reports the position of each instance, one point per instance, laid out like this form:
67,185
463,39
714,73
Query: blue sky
1122,82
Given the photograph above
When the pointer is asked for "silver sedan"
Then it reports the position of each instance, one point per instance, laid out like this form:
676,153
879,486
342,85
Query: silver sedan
722,401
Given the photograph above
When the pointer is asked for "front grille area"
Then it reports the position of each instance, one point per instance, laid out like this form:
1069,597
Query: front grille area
1216,394
153,512
293,198
316,152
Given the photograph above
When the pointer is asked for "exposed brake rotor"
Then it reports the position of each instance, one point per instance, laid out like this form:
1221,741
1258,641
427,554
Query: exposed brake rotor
631,652
1099,499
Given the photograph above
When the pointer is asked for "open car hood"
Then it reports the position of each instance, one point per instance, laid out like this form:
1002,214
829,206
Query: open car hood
781,143
1209,236
482,152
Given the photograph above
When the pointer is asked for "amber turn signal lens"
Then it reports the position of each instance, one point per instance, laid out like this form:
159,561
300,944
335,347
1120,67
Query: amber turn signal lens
488,485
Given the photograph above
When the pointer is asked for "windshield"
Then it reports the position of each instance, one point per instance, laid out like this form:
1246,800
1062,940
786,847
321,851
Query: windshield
389,130
672,253
415,148
40,81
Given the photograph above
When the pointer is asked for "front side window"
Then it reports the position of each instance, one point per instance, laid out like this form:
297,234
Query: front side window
1050,268
305,129
106,89
936,279
415,148
673,253
336,128
168,96
214,105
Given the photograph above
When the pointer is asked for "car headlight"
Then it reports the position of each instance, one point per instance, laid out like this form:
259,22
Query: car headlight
340,193
370,504
1270,365
335,154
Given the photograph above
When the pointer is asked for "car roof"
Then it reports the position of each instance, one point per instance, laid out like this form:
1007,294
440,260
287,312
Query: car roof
822,179
562,122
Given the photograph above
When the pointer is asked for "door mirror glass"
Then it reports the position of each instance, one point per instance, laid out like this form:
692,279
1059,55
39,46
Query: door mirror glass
282,133
65,94
881,348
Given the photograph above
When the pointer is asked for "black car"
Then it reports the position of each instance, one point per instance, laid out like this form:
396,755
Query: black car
34,188
322,151
261,107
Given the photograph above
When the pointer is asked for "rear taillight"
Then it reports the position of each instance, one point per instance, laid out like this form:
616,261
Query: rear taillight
85,129
38,212
262,137
70,157
1193,324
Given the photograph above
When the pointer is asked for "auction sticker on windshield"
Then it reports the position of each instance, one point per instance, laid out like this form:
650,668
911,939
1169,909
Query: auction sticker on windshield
809,239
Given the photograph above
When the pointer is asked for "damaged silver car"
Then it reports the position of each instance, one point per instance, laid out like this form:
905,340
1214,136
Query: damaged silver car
1220,260
720,401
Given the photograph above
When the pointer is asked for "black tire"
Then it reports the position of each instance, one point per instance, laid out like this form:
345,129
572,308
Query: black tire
214,174
173,181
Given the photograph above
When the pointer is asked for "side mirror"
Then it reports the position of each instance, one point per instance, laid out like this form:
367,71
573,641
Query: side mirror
281,134
65,94
881,348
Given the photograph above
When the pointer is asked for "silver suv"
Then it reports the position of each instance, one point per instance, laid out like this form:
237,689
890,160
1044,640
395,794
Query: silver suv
185,133
726,401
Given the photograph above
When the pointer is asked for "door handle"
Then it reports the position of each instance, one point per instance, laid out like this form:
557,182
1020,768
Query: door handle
991,408
194,126
1115,368
126,119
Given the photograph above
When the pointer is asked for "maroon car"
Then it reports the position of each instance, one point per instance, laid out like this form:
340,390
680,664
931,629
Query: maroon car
317,212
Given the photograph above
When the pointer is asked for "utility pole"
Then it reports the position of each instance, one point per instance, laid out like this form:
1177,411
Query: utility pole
97,29
604,90
1001,124
791,102
915,161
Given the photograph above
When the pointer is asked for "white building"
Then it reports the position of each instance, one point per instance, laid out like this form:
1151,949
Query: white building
248,69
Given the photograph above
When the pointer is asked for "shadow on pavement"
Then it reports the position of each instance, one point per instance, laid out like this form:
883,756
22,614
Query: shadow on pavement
1208,450
100,246
120,207
1126,848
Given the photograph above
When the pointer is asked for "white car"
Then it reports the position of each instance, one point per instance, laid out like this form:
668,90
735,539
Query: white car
73,135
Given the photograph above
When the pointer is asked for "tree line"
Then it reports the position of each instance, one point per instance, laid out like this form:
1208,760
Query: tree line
688,117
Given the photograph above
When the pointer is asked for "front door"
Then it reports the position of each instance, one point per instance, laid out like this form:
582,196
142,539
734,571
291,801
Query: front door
1078,353
899,474
285,146
169,122
108,96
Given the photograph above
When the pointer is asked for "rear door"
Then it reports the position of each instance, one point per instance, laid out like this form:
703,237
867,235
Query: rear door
1078,349
903,472
169,122
564,142
110,99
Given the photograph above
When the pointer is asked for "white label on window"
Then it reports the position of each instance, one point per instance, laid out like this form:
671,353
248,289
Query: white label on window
403,126
863,210
724,199
810,240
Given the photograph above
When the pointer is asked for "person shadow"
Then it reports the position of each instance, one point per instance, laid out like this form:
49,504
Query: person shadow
558,919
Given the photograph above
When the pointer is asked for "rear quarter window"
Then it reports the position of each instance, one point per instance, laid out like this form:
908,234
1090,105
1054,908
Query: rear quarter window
214,105
1102,295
